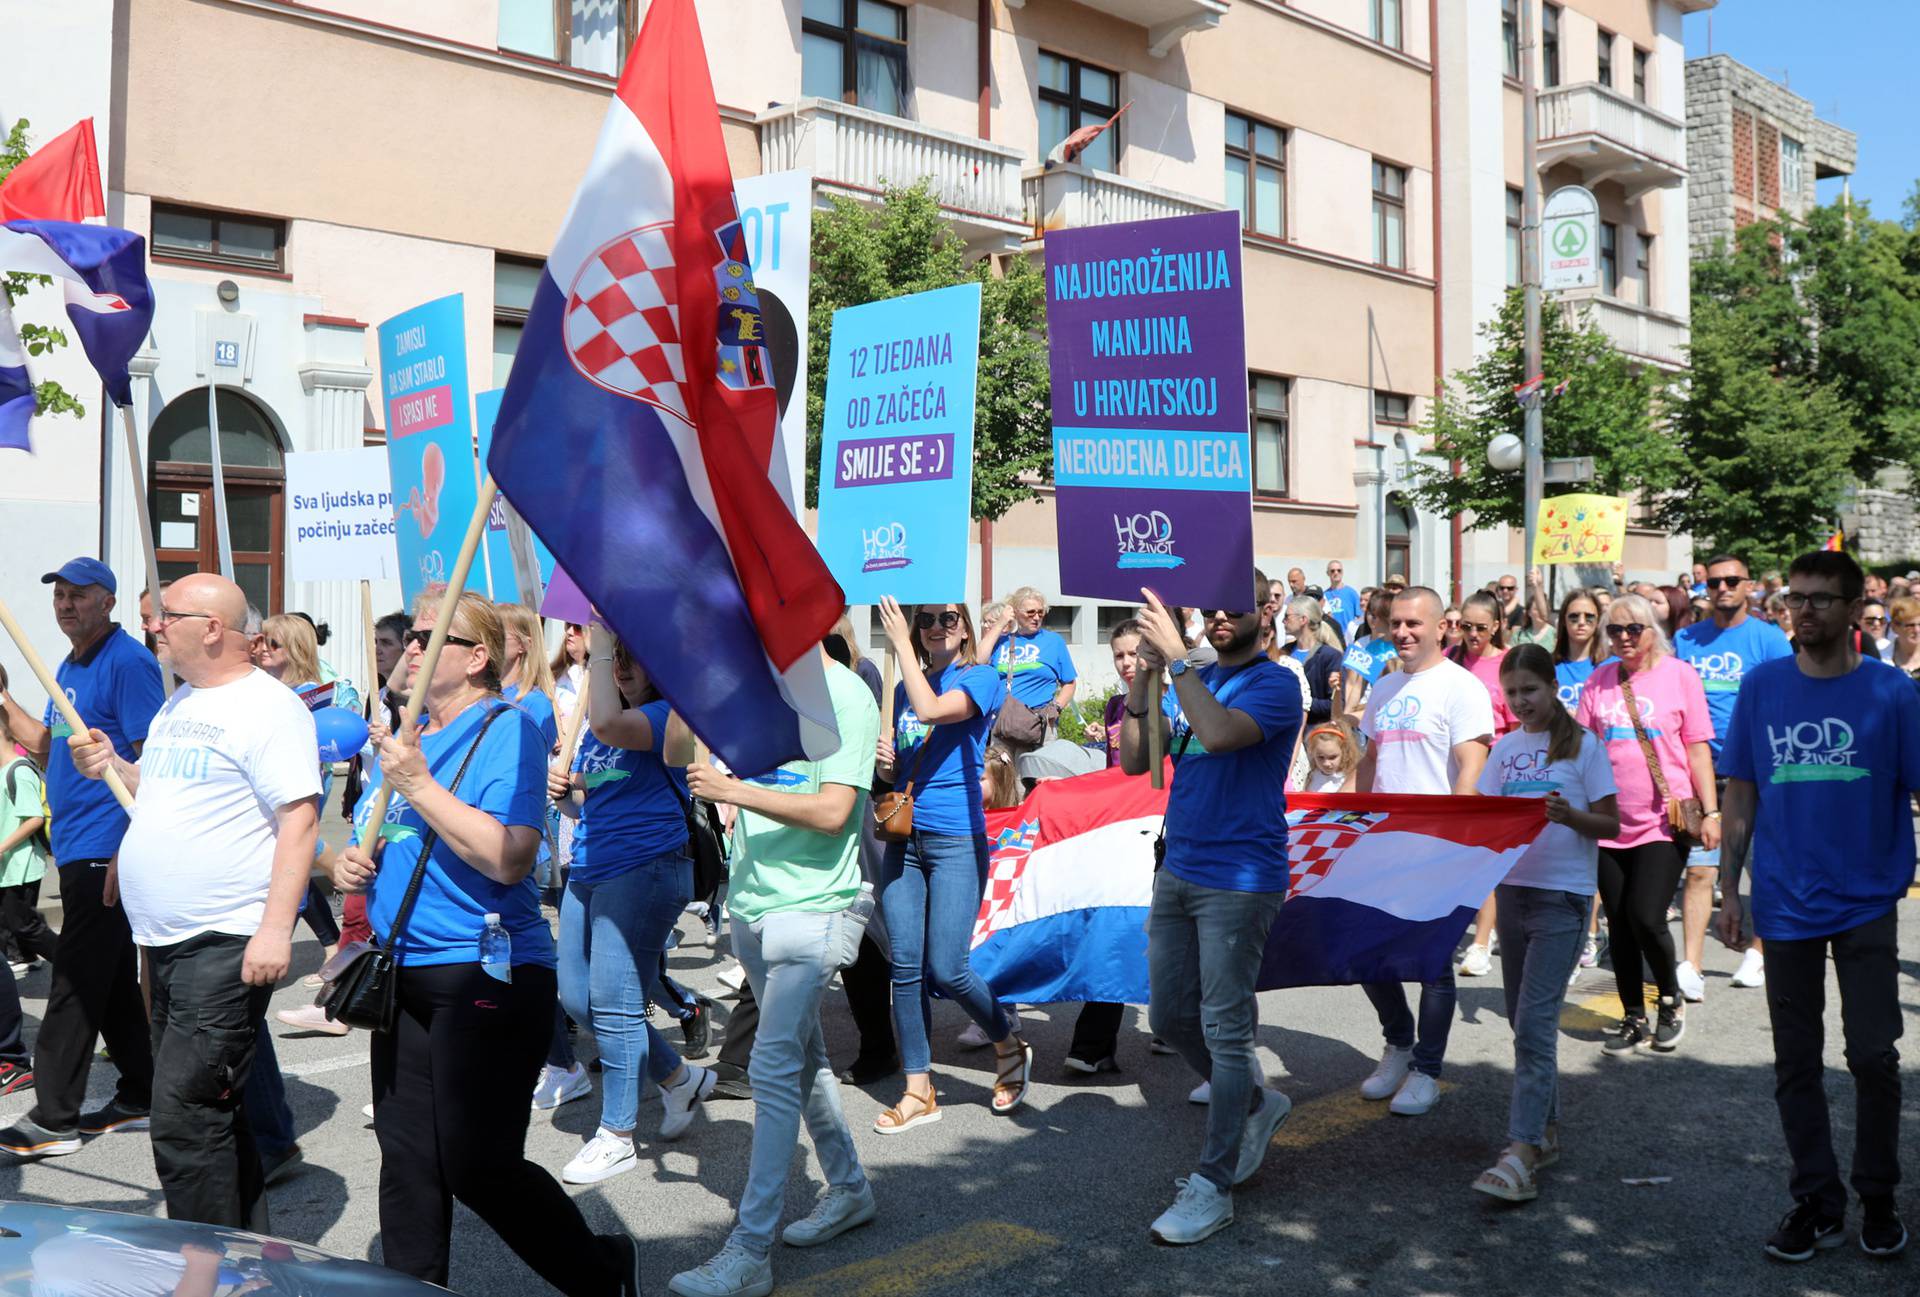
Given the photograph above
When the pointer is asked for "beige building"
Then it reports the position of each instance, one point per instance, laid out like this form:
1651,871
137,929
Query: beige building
304,172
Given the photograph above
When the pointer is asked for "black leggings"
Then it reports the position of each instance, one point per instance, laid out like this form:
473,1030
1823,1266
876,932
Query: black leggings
450,1087
319,915
1636,886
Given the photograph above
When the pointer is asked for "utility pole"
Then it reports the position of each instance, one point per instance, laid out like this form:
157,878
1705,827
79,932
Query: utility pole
1530,280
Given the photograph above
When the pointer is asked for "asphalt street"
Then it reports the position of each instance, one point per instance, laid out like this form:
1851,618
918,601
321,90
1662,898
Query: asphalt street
1057,1198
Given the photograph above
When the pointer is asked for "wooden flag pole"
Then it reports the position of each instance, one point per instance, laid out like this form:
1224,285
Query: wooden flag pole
886,693
145,517
576,723
373,658
456,585
60,699
1156,741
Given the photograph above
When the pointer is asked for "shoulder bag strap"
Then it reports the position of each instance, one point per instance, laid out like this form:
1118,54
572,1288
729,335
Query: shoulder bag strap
1646,744
429,838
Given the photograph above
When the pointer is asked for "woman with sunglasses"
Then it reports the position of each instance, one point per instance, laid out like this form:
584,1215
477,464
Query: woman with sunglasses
451,1079
943,711
1450,632
1483,644
1648,707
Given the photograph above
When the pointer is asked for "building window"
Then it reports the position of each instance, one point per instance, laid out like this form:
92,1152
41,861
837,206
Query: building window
219,238
1793,175
1075,94
1640,76
1110,615
1389,215
1515,243
1392,407
1609,258
855,51
1267,401
514,279
1060,619
1510,35
1550,45
1257,175
591,35
1643,265
1384,22
1605,72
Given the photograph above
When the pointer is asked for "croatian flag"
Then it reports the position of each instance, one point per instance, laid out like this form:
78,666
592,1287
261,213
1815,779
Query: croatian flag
637,429
1381,887
109,298
16,387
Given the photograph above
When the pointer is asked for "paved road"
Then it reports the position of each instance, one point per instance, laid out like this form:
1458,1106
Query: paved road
1057,1199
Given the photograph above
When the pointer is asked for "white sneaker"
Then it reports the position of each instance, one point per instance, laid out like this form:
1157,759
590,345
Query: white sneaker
1477,962
367,1112
731,1272
839,1209
1752,970
1693,987
605,1156
680,1100
1257,1138
1385,1081
1202,1094
733,978
558,1085
975,1036
1416,1095
1199,1211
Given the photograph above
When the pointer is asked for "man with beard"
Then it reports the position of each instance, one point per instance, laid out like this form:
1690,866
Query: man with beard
1230,729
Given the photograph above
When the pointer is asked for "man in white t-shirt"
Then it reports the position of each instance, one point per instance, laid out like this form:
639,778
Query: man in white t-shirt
1428,729
211,873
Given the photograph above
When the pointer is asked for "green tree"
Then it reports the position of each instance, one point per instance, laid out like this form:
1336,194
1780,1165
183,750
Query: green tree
1608,411
37,339
864,253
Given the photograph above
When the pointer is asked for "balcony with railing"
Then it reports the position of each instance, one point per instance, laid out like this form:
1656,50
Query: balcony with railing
1640,332
1067,195
859,152
1611,136
1166,21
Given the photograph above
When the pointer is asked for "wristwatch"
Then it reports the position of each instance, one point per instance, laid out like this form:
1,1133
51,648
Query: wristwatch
1713,815
1177,668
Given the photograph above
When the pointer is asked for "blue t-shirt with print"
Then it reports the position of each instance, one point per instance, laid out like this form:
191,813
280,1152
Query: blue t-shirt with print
1369,657
538,706
507,779
635,809
1226,812
1724,658
116,689
946,776
1572,678
1039,664
1834,762
1343,603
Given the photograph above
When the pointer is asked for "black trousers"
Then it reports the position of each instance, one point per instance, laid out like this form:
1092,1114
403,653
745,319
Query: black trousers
319,915
450,1087
95,993
1866,964
1096,1032
205,1025
13,1048
1636,885
27,935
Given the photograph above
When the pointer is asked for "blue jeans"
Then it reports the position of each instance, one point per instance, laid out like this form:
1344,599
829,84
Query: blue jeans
930,894
265,1099
789,959
1437,1000
1541,932
611,936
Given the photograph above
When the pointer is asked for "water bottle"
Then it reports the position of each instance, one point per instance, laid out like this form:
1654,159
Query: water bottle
854,925
862,908
496,950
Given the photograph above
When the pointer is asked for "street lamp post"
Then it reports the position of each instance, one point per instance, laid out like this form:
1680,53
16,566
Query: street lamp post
1530,280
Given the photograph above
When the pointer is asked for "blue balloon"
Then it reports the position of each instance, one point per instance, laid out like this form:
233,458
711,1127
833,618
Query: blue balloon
342,733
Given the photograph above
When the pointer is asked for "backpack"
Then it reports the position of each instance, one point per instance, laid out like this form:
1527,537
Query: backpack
40,837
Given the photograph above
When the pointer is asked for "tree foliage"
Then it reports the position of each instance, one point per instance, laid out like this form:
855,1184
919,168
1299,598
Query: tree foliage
37,339
1608,411
868,253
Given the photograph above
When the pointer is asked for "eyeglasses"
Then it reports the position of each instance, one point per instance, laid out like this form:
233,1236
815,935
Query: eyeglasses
1449,621
419,638
166,617
1583,616
1795,600
1725,582
925,620
1632,630
1905,625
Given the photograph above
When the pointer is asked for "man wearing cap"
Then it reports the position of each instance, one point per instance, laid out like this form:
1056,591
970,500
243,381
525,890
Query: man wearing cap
115,686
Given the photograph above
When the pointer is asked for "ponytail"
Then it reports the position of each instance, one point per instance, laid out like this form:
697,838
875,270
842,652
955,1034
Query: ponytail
1564,735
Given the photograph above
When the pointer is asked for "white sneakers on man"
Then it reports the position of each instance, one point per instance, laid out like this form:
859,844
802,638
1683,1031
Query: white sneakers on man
839,1209
1395,1062
1693,987
604,1156
1257,1138
1201,1094
680,1100
731,1272
558,1085
1416,1096
1199,1211
1752,971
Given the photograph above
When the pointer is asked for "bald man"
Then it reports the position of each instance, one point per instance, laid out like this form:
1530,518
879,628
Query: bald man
226,806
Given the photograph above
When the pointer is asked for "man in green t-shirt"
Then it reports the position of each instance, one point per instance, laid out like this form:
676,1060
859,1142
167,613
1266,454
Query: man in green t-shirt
793,886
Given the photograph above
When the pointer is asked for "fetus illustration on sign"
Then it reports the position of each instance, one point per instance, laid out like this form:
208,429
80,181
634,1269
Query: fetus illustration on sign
423,502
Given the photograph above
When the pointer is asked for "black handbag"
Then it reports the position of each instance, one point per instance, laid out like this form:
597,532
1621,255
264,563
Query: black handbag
703,844
358,983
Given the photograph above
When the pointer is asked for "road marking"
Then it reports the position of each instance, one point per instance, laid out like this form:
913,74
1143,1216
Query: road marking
360,1059
1332,1116
1600,1012
931,1263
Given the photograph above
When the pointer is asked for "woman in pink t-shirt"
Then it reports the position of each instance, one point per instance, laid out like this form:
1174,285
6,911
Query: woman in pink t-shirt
1640,868
1482,647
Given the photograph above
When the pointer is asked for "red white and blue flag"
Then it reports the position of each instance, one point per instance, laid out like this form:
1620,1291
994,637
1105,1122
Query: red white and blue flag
638,424
1381,887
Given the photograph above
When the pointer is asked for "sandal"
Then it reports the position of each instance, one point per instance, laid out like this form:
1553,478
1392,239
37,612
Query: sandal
1508,1180
1549,1149
897,1121
1008,1092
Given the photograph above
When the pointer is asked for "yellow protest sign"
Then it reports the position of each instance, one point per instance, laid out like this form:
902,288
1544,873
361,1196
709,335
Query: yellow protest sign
1581,529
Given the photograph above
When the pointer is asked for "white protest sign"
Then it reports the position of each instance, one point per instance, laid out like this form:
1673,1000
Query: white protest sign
340,516
776,221
1570,240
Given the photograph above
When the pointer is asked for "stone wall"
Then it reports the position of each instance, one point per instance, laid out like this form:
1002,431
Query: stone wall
1880,519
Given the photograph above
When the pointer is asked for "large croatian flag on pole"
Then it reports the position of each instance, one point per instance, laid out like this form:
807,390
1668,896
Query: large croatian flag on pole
637,428
1381,888
109,299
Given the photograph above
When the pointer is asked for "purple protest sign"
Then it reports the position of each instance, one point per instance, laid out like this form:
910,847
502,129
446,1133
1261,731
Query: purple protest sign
566,601
1151,457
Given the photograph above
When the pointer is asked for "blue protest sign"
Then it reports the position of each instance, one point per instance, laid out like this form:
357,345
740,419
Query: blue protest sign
506,586
423,380
896,454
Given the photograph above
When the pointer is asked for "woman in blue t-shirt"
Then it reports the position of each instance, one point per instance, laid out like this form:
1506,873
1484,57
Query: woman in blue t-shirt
631,876
450,1081
943,712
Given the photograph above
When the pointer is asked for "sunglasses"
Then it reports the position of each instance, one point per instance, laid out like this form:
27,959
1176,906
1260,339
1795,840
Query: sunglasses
1508,589
419,638
1477,627
1583,616
1873,621
1632,630
925,620
1821,602
1221,614
1725,582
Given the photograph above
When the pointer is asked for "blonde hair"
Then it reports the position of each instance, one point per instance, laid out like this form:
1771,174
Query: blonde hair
301,645
1025,593
844,629
1337,732
1317,628
968,654
1639,610
475,618
1003,780
535,671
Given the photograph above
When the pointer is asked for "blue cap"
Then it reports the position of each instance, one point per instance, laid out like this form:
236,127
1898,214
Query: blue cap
84,571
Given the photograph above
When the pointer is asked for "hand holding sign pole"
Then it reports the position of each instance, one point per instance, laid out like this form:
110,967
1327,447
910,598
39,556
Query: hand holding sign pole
59,696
